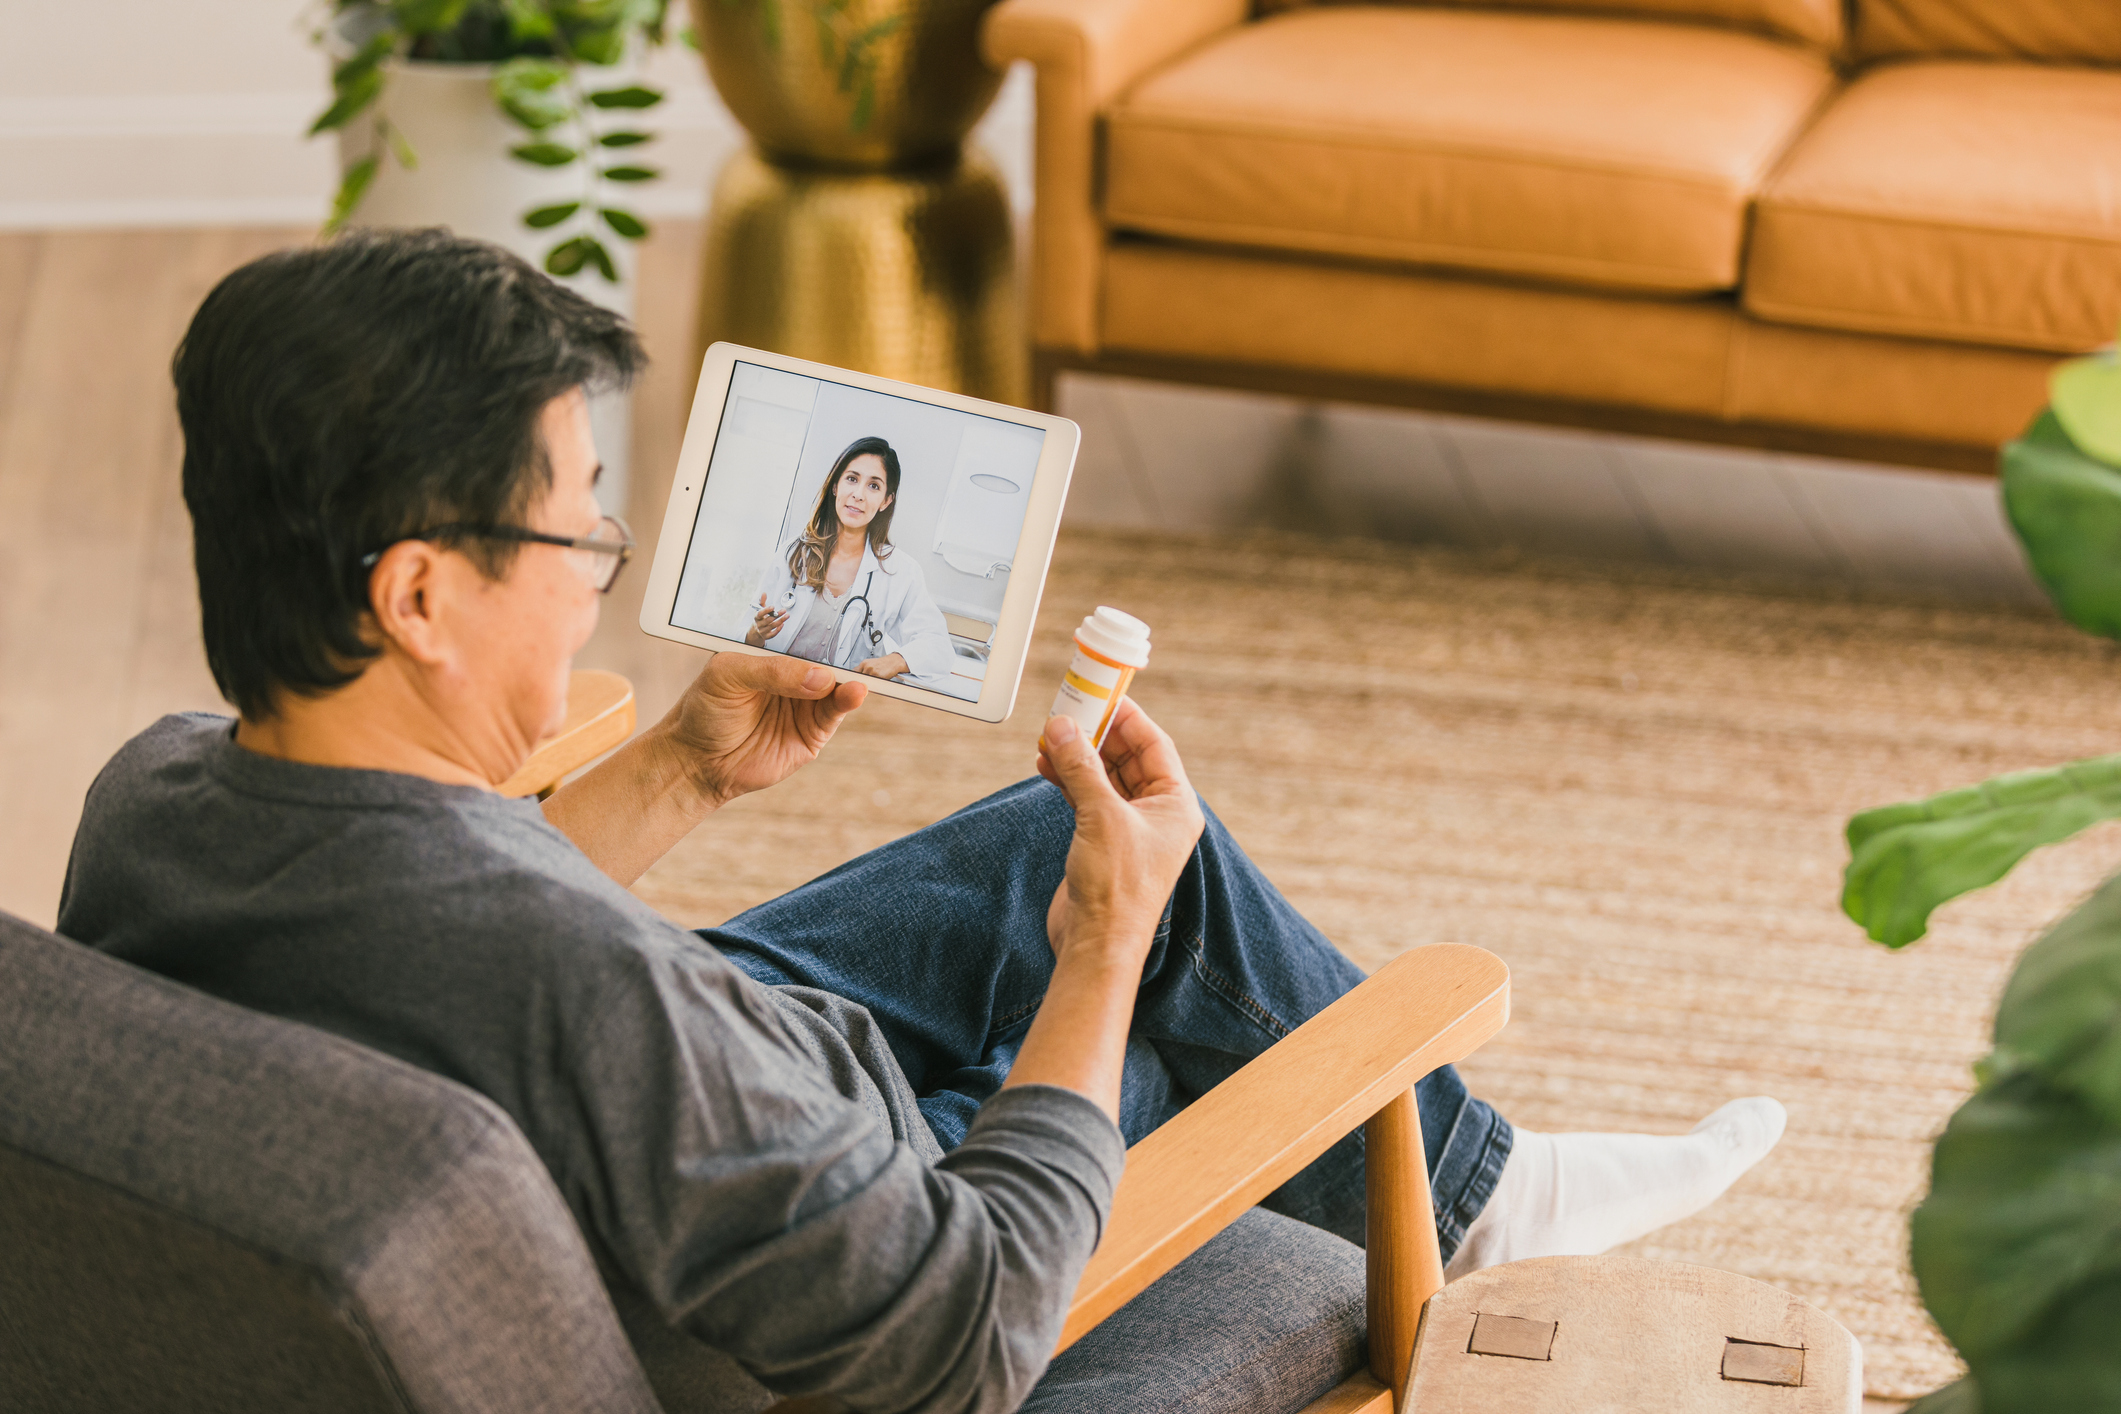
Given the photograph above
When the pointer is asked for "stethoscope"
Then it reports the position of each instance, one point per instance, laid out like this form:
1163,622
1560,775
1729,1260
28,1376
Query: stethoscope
876,635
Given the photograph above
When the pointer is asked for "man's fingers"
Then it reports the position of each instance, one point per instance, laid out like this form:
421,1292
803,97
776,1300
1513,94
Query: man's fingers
780,675
1141,751
1075,767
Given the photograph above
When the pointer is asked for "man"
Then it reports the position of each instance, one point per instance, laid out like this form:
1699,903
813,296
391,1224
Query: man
863,1138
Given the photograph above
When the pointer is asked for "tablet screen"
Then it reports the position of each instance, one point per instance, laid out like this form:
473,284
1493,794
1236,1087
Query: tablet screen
858,529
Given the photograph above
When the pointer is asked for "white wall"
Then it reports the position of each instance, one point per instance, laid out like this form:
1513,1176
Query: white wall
191,112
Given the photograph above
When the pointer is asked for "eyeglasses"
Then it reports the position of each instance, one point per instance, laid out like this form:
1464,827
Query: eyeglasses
599,557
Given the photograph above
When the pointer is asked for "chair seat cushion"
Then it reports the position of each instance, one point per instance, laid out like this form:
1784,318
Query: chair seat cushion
1607,152
1975,202
1264,1319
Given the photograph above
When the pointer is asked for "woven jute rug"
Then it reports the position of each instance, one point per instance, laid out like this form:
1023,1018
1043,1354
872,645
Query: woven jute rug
1629,783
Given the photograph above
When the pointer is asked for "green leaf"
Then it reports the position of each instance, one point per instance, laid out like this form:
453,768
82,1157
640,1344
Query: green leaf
602,257
2066,508
828,43
351,188
568,257
545,154
1906,860
632,96
600,46
625,223
864,105
2017,1248
550,215
527,19
2086,396
533,92
399,147
770,25
428,16
353,94
631,174
690,38
625,139
2060,1016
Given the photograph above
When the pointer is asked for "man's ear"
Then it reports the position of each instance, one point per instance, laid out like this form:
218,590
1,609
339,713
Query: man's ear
405,592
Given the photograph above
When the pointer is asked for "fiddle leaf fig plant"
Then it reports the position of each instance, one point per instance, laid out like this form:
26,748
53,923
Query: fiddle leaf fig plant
2017,1248
545,52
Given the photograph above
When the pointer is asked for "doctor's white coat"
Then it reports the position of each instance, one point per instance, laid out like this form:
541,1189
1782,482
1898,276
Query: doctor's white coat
900,608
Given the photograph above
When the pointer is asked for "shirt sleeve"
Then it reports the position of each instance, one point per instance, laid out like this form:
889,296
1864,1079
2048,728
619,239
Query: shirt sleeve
773,1218
922,635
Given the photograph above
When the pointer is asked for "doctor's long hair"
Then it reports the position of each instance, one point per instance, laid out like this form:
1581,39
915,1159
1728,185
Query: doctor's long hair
812,550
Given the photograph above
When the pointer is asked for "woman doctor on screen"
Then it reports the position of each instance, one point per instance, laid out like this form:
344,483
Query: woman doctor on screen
840,593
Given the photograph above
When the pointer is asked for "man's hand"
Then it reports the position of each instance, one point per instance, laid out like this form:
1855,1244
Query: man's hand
748,722
1136,822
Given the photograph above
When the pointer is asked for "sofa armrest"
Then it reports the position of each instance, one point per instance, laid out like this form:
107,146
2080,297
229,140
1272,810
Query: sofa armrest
1086,52
1357,1059
599,716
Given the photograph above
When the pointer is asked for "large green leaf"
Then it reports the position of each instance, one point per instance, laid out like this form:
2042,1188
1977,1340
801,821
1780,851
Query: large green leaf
1905,860
2061,1011
2086,396
2066,508
2018,1247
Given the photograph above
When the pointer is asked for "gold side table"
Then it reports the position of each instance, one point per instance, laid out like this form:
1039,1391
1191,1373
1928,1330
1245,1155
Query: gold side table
907,274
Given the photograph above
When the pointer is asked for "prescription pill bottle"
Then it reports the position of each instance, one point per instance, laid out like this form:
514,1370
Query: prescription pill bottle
1110,647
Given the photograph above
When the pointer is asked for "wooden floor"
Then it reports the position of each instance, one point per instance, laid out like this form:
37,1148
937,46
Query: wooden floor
99,625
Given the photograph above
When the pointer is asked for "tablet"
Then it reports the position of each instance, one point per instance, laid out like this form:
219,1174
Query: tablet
898,534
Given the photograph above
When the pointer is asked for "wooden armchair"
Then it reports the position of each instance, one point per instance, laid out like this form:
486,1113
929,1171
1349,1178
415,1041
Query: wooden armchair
1354,1063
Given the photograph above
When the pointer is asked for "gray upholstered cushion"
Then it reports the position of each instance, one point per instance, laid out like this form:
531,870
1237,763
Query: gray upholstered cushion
210,1209
1267,1316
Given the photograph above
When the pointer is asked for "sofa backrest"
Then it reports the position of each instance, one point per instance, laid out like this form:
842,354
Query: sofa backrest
209,1209
1814,22
2065,31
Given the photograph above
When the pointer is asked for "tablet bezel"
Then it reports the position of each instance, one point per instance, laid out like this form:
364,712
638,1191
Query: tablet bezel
1027,575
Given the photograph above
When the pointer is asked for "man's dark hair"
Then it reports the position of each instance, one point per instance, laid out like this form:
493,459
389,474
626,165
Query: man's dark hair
336,399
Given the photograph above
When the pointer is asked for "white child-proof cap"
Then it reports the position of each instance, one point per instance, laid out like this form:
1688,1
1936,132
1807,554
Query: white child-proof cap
1121,637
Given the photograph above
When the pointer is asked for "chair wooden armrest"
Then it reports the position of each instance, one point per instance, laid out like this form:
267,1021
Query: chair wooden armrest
599,717
1355,1062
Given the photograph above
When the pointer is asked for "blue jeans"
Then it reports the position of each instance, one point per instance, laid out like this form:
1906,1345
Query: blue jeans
942,936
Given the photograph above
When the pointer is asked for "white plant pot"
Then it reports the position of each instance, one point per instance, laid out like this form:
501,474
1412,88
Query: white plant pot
466,180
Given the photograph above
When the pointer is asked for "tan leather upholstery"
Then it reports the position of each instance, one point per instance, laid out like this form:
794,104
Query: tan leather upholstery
1085,51
1817,22
1599,152
1952,200
1884,387
1693,356
2086,31
1441,329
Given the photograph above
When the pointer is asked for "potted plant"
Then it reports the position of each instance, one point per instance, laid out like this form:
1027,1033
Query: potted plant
2017,1248
510,120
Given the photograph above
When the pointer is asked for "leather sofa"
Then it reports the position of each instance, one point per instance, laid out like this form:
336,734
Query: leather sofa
1858,227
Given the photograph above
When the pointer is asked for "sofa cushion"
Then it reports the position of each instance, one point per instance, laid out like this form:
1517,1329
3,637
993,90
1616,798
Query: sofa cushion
1600,152
1813,21
1951,200
2086,31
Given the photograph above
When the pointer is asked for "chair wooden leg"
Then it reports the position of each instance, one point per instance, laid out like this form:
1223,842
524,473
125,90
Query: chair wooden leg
1405,1264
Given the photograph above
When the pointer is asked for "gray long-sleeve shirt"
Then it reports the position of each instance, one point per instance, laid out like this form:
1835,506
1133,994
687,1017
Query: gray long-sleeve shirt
751,1157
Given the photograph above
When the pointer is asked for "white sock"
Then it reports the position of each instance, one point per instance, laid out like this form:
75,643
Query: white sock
1582,1194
